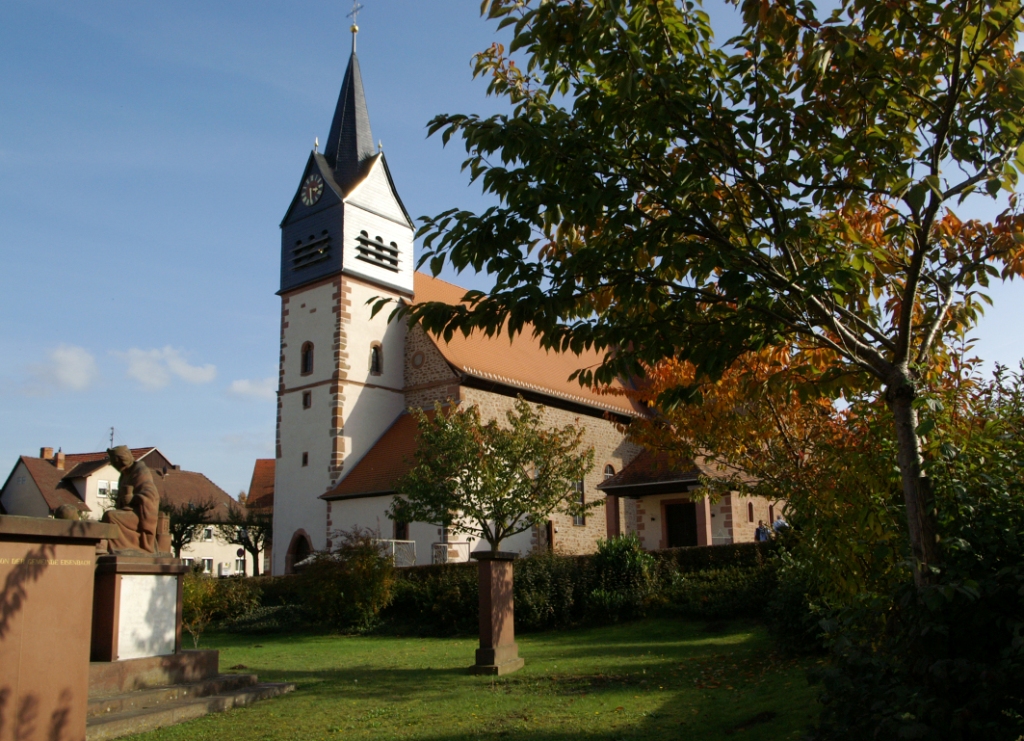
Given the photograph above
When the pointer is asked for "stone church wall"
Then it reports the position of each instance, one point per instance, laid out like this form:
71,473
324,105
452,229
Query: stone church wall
428,377
610,447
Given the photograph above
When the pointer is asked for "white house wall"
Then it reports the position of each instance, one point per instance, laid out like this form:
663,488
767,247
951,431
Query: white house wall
22,497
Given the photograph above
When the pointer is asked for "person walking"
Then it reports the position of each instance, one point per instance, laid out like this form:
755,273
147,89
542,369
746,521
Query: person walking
761,534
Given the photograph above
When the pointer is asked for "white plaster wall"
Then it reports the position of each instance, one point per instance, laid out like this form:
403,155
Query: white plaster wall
364,331
21,496
372,207
310,318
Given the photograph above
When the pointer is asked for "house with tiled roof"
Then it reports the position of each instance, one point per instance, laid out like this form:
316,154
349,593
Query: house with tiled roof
347,378
260,498
38,486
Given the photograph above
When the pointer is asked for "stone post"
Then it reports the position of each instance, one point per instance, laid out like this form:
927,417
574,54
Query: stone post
46,593
498,652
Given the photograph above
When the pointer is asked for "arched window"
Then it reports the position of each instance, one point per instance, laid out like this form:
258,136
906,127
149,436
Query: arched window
307,358
376,359
609,471
750,511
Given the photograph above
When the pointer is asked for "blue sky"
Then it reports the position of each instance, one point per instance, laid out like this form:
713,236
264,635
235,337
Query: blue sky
147,154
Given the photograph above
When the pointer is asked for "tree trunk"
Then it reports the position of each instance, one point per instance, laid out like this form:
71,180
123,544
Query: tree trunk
254,552
900,396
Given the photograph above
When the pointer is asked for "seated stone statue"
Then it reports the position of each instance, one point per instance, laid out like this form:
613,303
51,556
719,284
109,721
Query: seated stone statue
138,504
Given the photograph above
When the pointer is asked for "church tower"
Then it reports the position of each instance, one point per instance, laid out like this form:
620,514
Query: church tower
345,239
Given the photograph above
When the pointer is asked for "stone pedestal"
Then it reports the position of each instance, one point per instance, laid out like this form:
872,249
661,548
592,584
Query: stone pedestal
498,652
137,608
46,591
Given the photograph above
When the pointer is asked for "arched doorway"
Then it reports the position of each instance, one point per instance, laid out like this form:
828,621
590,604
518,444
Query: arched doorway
299,549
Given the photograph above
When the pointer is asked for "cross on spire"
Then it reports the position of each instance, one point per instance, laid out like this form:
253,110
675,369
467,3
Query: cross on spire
354,15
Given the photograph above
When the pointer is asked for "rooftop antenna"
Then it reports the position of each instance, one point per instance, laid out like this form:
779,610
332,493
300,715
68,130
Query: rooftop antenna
111,437
356,7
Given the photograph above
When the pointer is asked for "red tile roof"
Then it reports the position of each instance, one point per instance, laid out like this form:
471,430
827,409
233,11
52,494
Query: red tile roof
50,481
388,460
652,468
182,487
658,467
261,488
520,362
73,459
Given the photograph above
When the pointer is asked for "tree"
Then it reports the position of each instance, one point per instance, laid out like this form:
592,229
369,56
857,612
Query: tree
186,522
762,433
488,480
661,196
249,527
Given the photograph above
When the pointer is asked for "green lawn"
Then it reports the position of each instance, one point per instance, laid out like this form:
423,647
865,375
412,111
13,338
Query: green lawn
655,679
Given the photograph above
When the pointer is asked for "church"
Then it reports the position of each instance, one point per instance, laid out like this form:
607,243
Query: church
346,380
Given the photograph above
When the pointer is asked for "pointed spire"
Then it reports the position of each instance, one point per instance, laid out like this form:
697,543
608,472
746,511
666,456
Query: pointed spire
350,141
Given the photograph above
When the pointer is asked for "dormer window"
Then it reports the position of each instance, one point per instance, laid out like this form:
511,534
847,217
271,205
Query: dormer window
376,360
376,252
307,358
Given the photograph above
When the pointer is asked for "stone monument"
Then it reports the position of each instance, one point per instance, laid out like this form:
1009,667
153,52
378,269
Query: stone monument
46,599
498,652
138,504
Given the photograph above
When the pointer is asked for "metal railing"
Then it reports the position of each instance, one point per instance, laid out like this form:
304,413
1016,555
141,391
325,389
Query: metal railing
403,551
450,552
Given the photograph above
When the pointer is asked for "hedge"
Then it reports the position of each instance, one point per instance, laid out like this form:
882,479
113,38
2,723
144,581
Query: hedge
555,591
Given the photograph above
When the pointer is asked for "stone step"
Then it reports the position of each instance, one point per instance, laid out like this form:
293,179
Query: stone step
112,677
116,724
147,698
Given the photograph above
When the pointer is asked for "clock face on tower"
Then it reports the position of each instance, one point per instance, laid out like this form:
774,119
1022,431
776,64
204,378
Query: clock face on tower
312,189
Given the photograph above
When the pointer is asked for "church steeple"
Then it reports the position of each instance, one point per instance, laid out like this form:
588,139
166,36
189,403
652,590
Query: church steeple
350,141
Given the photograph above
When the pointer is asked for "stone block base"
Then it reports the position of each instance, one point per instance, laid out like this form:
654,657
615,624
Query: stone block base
499,660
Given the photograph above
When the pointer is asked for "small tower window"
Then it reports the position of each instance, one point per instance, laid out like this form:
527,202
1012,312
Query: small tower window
609,471
305,459
307,399
750,511
376,359
307,358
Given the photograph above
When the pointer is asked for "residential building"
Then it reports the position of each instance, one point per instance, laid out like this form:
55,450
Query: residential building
261,499
38,486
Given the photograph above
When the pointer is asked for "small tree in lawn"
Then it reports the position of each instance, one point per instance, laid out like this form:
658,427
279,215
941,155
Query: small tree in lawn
249,527
186,522
490,480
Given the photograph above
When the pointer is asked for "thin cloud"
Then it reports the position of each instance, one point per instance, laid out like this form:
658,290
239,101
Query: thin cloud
67,368
155,369
264,389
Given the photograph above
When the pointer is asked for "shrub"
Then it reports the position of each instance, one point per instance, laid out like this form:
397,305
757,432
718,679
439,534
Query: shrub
279,590
731,592
200,604
948,661
272,619
551,591
235,596
442,599
351,586
625,577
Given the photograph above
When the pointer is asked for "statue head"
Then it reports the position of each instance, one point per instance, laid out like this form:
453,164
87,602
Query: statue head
120,457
